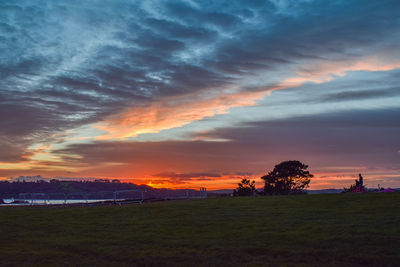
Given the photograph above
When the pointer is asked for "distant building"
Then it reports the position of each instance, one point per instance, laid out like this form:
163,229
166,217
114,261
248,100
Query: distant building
30,179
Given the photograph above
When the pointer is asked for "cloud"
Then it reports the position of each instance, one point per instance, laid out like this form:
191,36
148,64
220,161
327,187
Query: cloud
11,152
350,133
360,95
186,175
173,112
178,178
327,71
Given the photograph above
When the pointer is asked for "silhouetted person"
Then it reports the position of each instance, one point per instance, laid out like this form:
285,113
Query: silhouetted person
359,182
358,187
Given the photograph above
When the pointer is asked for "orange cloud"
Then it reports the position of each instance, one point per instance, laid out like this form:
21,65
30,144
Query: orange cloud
37,157
325,72
173,112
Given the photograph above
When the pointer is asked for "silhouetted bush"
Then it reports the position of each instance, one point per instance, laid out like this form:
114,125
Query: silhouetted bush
245,188
288,177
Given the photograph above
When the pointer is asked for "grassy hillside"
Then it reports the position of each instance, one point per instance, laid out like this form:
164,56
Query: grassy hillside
362,229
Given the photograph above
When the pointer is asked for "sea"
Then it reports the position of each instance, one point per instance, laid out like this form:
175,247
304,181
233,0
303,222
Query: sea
30,202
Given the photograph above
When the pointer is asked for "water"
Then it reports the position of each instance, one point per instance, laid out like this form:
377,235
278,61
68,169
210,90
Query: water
7,202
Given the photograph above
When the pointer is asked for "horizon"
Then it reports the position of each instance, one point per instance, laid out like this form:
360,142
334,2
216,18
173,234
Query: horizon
37,178
92,179
180,94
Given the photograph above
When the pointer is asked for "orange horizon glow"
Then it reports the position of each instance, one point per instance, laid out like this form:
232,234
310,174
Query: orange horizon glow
318,182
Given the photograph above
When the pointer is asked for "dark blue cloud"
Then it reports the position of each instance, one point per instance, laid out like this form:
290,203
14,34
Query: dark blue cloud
361,95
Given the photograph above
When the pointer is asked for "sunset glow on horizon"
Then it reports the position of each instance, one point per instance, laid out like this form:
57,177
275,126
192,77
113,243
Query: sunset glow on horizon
184,94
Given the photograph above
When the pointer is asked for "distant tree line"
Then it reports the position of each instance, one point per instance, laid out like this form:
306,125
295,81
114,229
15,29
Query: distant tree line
12,189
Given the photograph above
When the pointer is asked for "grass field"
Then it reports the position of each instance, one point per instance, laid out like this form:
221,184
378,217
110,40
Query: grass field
359,229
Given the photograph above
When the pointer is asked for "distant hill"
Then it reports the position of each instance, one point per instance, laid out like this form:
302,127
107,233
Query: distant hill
12,189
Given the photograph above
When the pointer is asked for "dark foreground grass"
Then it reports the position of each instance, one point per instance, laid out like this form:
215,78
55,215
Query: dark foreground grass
315,230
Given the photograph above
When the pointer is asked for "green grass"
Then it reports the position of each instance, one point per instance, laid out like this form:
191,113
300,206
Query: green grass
359,229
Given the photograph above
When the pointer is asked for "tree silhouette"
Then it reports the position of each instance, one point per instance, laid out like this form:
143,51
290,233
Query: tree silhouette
288,177
357,187
245,188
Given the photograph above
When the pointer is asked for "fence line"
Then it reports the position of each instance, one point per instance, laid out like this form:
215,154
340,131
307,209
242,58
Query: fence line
119,196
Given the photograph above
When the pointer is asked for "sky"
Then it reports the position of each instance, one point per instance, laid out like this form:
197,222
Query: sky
189,94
